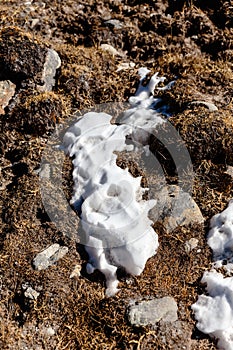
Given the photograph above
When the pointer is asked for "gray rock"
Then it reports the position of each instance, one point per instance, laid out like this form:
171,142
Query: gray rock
152,311
49,256
44,171
115,23
52,63
175,208
176,335
7,91
209,105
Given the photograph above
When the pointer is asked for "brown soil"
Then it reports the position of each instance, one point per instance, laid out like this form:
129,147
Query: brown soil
190,41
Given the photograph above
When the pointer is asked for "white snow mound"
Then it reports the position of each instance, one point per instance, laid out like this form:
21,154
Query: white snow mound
109,199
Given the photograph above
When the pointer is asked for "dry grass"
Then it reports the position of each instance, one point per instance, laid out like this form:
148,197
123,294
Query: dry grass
76,308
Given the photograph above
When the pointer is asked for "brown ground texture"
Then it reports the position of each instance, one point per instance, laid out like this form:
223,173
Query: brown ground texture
190,41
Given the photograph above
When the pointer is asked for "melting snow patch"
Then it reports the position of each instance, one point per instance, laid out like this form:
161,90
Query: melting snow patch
109,199
214,313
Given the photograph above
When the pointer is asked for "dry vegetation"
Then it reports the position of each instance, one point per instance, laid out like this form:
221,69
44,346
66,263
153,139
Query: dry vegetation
194,46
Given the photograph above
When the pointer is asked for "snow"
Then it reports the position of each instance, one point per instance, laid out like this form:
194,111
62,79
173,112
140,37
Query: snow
220,238
144,114
214,313
109,199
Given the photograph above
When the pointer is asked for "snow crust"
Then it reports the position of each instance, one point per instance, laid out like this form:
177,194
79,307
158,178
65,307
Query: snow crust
109,199
214,312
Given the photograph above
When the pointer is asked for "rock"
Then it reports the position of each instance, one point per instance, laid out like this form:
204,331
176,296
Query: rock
190,245
125,66
76,271
209,105
7,91
49,331
52,63
29,292
34,23
175,208
110,49
229,170
49,256
176,335
44,171
114,23
152,311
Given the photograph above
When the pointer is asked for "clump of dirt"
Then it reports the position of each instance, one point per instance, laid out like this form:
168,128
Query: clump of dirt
207,135
38,113
188,42
21,57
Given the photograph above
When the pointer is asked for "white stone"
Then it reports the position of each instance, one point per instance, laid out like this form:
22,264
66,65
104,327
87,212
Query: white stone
110,49
52,63
76,271
31,293
191,244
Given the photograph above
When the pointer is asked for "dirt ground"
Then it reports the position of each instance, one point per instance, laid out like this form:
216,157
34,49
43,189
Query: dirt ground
189,41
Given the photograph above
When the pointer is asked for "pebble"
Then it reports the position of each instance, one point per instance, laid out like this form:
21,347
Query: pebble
50,331
190,245
7,91
125,66
76,271
115,23
49,256
110,49
35,21
229,170
29,292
